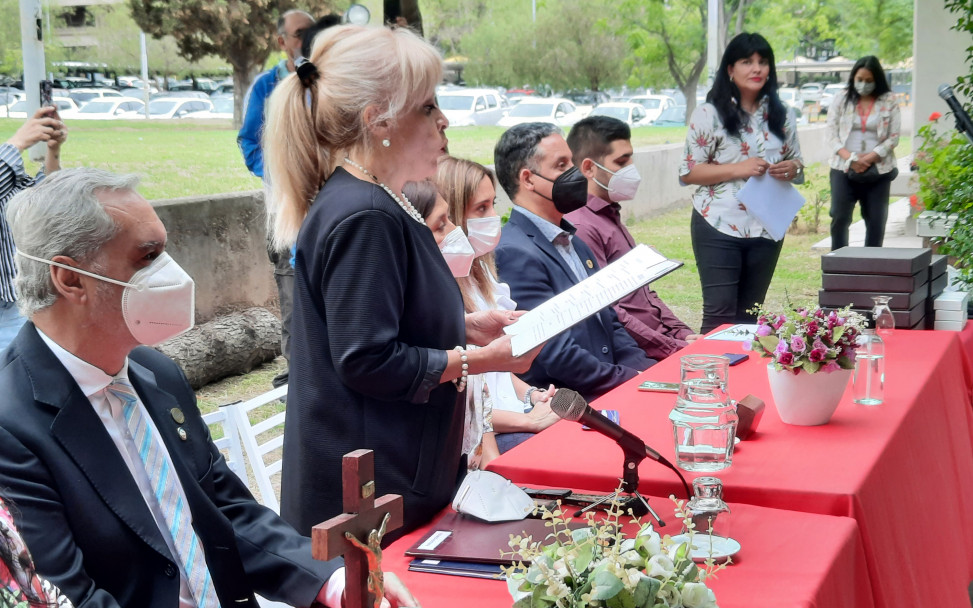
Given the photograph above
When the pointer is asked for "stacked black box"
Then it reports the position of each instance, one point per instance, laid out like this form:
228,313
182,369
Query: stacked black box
937,284
852,275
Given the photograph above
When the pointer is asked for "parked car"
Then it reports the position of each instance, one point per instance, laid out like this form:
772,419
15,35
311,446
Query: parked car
632,114
828,95
554,110
177,107
515,96
83,96
222,108
110,108
653,104
673,116
812,91
183,94
792,97
468,107
587,100
66,108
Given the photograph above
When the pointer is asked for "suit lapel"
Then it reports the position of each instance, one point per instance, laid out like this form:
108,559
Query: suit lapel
534,234
81,433
586,256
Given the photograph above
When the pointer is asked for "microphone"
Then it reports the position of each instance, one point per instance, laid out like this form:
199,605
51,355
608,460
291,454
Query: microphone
569,405
963,123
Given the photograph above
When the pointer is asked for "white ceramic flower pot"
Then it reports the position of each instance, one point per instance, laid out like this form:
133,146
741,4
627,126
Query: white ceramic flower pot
807,399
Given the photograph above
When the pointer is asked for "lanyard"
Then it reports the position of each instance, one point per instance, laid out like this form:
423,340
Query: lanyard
864,119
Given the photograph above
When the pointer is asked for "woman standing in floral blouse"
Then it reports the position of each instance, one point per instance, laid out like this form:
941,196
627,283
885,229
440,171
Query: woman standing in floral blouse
742,131
20,587
863,130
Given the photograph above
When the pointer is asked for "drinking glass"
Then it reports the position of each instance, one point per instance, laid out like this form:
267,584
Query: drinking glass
884,321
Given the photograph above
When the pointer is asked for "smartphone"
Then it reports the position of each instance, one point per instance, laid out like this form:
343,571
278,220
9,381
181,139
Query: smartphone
736,358
546,494
610,414
659,387
47,93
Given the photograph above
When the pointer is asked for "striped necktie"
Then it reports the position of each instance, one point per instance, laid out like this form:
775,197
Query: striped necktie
171,501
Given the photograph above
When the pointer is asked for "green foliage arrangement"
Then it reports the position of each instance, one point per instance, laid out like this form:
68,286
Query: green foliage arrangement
944,161
598,566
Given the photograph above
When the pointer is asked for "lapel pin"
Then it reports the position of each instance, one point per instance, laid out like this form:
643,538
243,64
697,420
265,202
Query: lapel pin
182,433
177,415
589,263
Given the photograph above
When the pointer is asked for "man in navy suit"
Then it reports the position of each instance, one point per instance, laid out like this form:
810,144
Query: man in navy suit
539,257
122,497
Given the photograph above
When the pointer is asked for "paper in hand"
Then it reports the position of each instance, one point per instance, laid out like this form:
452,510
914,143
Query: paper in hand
773,202
639,266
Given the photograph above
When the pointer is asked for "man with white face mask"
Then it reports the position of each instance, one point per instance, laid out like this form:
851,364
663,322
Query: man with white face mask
601,148
124,499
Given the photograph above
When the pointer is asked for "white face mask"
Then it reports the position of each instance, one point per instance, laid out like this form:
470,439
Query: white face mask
458,252
623,184
158,302
864,88
483,233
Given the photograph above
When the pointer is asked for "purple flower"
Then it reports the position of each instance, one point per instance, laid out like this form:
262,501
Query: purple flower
747,345
781,347
817,355
764,330
818,344
797,344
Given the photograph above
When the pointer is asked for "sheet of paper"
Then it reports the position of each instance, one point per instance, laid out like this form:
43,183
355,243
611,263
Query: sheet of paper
773,202
737,333
610,284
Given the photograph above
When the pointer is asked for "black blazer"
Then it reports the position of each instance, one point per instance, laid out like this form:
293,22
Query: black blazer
373,301
591,357
83,517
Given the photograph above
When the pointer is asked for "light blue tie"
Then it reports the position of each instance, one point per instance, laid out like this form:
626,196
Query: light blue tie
168,495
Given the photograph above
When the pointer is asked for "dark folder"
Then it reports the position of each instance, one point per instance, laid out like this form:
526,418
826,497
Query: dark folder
456,537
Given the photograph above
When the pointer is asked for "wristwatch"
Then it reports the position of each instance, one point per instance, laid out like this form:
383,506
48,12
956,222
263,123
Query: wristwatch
527,404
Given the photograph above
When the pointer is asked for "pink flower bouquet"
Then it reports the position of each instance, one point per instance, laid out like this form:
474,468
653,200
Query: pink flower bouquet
808,339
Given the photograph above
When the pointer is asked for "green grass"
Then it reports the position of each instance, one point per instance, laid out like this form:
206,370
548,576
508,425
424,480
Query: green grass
177,158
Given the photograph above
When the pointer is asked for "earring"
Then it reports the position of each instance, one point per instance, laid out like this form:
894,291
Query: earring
386,143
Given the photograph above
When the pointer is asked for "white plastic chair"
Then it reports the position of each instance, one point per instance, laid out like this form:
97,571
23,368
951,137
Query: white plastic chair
255,450
229,443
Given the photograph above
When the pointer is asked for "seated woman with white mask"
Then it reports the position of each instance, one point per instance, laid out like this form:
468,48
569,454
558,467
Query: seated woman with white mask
479,443
519,410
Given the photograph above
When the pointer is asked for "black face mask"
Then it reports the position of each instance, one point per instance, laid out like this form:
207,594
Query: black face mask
570,191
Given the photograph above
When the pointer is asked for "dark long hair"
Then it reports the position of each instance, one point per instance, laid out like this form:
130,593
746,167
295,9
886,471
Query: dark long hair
725,95
870,63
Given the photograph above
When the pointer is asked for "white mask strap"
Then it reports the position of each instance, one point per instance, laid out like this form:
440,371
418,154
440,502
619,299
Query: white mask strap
79,270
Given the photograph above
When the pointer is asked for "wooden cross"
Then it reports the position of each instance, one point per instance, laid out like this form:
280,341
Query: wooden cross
363,516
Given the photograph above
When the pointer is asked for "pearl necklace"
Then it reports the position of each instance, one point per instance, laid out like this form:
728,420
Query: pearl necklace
403,202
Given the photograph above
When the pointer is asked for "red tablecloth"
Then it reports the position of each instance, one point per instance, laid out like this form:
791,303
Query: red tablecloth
788,560
887,466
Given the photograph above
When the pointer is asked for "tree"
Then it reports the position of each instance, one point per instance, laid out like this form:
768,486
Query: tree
243,32
670,33
572,45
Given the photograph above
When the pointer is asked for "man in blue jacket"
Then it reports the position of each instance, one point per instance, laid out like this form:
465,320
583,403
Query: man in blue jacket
290,34
539,258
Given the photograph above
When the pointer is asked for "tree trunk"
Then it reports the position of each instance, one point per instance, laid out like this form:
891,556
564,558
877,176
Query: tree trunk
228,345
243,77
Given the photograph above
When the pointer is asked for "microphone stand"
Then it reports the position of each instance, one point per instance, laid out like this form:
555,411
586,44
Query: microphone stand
635,453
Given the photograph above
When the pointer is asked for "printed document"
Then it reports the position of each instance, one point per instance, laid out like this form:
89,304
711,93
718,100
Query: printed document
610,284
773,202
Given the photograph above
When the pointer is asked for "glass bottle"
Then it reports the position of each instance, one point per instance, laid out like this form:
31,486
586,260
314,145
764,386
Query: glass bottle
711,522
884,320
704,419
869,383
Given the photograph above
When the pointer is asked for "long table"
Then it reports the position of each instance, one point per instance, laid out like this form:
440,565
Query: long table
902,470
787,560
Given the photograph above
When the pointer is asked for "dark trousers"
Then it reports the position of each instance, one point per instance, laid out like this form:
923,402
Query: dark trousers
734,272
284,277
874,199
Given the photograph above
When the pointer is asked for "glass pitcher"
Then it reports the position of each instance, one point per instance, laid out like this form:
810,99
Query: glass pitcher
704,420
